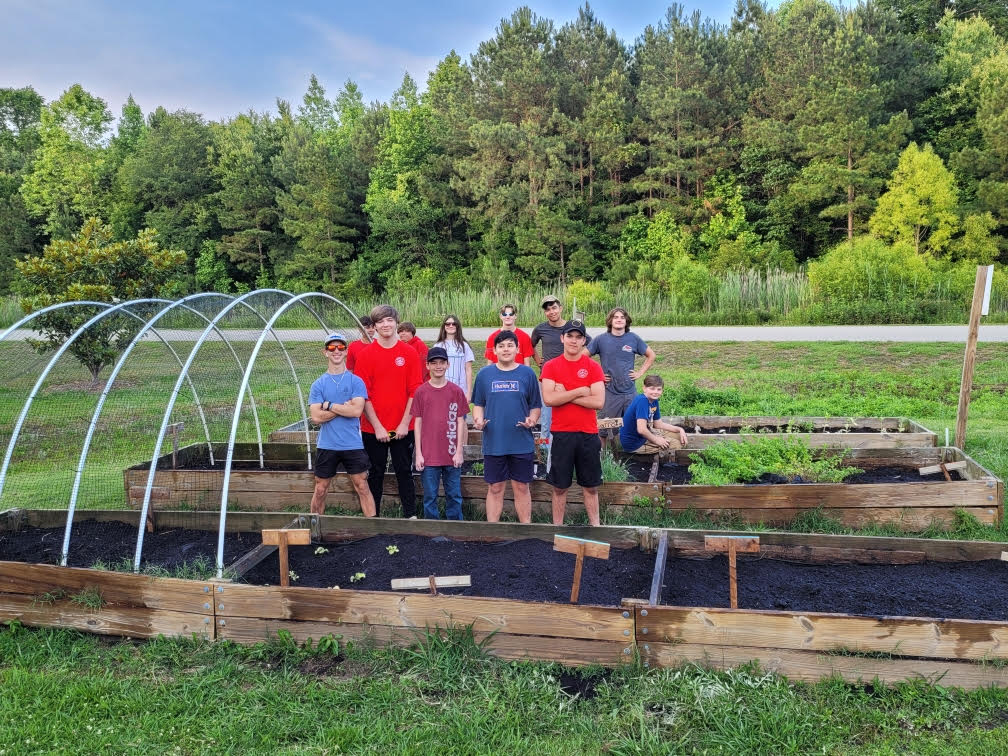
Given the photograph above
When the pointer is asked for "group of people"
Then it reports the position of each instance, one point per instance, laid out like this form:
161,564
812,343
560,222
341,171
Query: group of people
394,397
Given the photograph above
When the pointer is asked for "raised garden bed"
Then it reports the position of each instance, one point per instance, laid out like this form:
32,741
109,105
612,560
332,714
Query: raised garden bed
286,485
781,622
844,432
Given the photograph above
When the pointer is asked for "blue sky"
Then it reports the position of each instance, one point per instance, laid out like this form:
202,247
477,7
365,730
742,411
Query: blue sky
222,58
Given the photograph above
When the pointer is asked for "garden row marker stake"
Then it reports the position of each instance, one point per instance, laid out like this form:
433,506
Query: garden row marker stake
981,301
433,585
733,545
281,538
944,468
581,547
445,581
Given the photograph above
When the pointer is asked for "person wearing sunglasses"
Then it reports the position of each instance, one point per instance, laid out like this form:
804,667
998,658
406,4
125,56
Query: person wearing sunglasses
460,354
336,402
508,315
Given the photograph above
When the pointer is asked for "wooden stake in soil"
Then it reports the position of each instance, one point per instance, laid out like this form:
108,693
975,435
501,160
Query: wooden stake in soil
983,274
281,539
732,545
943,467
581,547
659,569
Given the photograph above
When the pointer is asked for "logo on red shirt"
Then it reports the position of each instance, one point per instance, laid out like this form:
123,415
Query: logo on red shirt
400,361
582,373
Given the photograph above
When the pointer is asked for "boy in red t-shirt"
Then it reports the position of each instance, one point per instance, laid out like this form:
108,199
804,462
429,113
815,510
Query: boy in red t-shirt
439,410
574,386
508,314
407,335
356,346
391,373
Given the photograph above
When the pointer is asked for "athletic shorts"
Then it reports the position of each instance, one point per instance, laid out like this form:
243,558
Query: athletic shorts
574,451
517,467
328,460
615,406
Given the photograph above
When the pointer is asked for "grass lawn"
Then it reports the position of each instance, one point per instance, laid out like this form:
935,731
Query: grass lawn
65,692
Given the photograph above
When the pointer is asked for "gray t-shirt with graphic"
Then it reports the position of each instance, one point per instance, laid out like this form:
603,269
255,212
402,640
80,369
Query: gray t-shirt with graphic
617,355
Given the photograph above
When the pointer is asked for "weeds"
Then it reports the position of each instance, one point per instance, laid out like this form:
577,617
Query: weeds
89,598
727,462
613,469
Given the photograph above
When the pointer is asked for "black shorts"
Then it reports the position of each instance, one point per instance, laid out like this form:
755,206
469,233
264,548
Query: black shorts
517,467
328,460
572,451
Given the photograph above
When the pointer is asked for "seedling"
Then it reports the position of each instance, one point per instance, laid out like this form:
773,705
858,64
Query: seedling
321,550
357,576
293,576
392,549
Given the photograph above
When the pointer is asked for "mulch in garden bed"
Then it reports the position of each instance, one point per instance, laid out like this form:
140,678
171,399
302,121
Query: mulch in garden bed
531,570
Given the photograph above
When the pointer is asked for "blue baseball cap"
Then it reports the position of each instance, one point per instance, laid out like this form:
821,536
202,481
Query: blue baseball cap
336,337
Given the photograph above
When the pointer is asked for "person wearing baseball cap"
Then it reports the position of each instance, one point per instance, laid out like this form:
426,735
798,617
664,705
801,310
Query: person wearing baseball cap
336,402
439,410
550,333
573,384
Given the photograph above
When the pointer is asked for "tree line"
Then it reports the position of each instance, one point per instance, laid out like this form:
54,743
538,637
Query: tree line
559,152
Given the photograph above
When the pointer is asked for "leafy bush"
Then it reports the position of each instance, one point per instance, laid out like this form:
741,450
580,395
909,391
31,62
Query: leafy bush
691,283
590,296
727,462
868,280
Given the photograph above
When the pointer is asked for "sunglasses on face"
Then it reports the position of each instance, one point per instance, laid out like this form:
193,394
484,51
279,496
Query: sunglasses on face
336,346
506,314
451,323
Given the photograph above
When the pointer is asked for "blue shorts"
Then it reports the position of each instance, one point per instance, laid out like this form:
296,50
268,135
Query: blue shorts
517,467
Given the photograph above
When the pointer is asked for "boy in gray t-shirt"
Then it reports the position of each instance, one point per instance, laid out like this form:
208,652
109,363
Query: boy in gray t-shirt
617,349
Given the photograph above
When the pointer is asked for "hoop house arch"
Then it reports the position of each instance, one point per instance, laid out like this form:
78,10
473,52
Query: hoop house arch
19,424
241,394
266,330
32,315
147,327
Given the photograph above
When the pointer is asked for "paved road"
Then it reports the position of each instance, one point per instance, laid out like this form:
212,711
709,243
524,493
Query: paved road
898,333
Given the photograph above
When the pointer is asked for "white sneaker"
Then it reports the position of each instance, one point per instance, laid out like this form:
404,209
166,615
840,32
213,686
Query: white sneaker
413,517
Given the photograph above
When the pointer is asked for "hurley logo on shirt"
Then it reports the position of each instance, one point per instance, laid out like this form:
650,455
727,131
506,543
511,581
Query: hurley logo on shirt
627,348
582,373
400,361
499,386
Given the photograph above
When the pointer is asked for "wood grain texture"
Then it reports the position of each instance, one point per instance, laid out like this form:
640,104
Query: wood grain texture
421,611
813,631
116,588
811,666
130,622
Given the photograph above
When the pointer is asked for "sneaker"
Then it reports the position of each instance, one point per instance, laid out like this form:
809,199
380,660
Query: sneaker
413,517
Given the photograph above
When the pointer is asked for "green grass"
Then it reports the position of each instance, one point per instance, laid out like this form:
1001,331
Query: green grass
61,691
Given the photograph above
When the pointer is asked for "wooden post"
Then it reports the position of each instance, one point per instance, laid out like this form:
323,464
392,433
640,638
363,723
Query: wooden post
966,384
659,569
732,545
280,539
175,429
581,548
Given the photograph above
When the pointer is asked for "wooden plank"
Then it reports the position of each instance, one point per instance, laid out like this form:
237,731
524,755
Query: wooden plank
381,608
445,581
822,555
293,537
659,570
741,544
951,466
814,631
572,651
158,493
811,666
116,588
131,622
571,545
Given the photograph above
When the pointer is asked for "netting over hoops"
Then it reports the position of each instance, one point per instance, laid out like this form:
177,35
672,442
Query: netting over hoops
195,385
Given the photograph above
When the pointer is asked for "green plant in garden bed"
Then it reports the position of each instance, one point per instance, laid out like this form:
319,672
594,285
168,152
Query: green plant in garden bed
613,470
727,462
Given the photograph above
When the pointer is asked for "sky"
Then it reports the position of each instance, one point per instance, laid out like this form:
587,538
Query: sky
223,58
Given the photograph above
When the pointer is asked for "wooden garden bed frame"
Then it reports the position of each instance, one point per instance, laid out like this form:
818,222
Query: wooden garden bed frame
799,645
893,432
911,506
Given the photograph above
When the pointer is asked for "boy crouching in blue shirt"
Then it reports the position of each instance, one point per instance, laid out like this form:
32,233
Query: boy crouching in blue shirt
642,423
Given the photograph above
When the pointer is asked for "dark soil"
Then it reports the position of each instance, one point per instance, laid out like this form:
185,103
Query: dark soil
530,570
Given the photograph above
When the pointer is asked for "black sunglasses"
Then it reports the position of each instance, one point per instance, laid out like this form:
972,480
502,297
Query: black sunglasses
451,323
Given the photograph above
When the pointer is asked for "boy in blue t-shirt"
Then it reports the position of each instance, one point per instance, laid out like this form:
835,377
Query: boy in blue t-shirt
506,404
336,401
642,421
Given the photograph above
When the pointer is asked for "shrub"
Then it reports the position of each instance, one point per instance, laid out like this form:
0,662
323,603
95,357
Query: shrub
590,296
867,280
691,283
726,462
